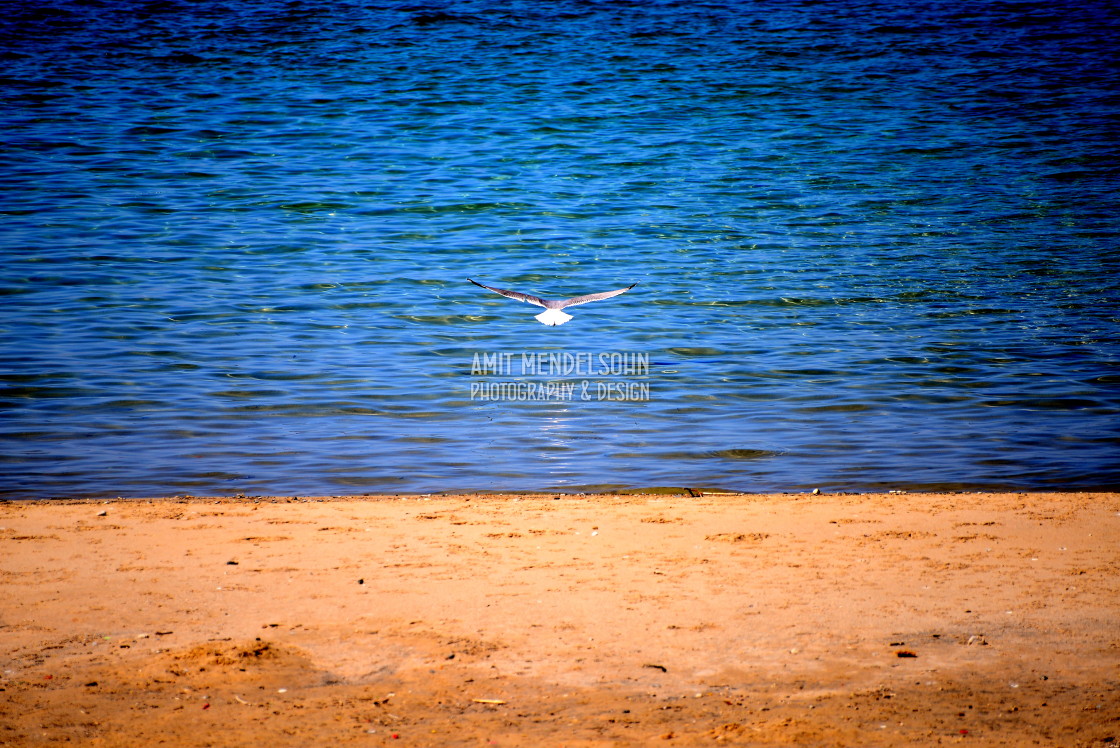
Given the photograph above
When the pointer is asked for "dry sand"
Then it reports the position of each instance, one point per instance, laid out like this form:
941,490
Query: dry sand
900,619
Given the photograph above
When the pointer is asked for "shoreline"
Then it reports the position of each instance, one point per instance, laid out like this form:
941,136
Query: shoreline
562,619
679,492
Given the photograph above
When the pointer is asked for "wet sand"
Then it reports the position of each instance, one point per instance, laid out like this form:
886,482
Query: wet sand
875,619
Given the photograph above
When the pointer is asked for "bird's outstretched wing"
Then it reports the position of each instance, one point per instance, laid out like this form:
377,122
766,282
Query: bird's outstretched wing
576,301
514,294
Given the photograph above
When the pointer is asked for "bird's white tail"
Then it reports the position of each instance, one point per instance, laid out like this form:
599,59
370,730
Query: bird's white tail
553,317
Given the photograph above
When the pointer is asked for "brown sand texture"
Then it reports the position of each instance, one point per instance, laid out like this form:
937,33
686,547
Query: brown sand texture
541,620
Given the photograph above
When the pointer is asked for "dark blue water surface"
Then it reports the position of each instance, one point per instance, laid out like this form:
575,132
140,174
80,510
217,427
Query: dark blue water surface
876,244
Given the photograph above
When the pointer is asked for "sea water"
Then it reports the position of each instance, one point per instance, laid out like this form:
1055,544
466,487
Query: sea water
875,243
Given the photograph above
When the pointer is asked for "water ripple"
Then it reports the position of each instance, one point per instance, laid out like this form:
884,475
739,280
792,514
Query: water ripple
875,245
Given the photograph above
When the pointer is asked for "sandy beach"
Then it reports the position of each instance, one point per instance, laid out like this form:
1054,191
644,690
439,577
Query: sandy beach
872,619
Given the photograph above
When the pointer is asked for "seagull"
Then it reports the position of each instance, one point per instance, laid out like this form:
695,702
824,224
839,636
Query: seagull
552,315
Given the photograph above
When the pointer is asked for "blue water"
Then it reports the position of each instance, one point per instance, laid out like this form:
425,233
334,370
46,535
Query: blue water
876,244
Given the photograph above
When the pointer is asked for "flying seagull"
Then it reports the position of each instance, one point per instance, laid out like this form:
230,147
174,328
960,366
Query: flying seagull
552,314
